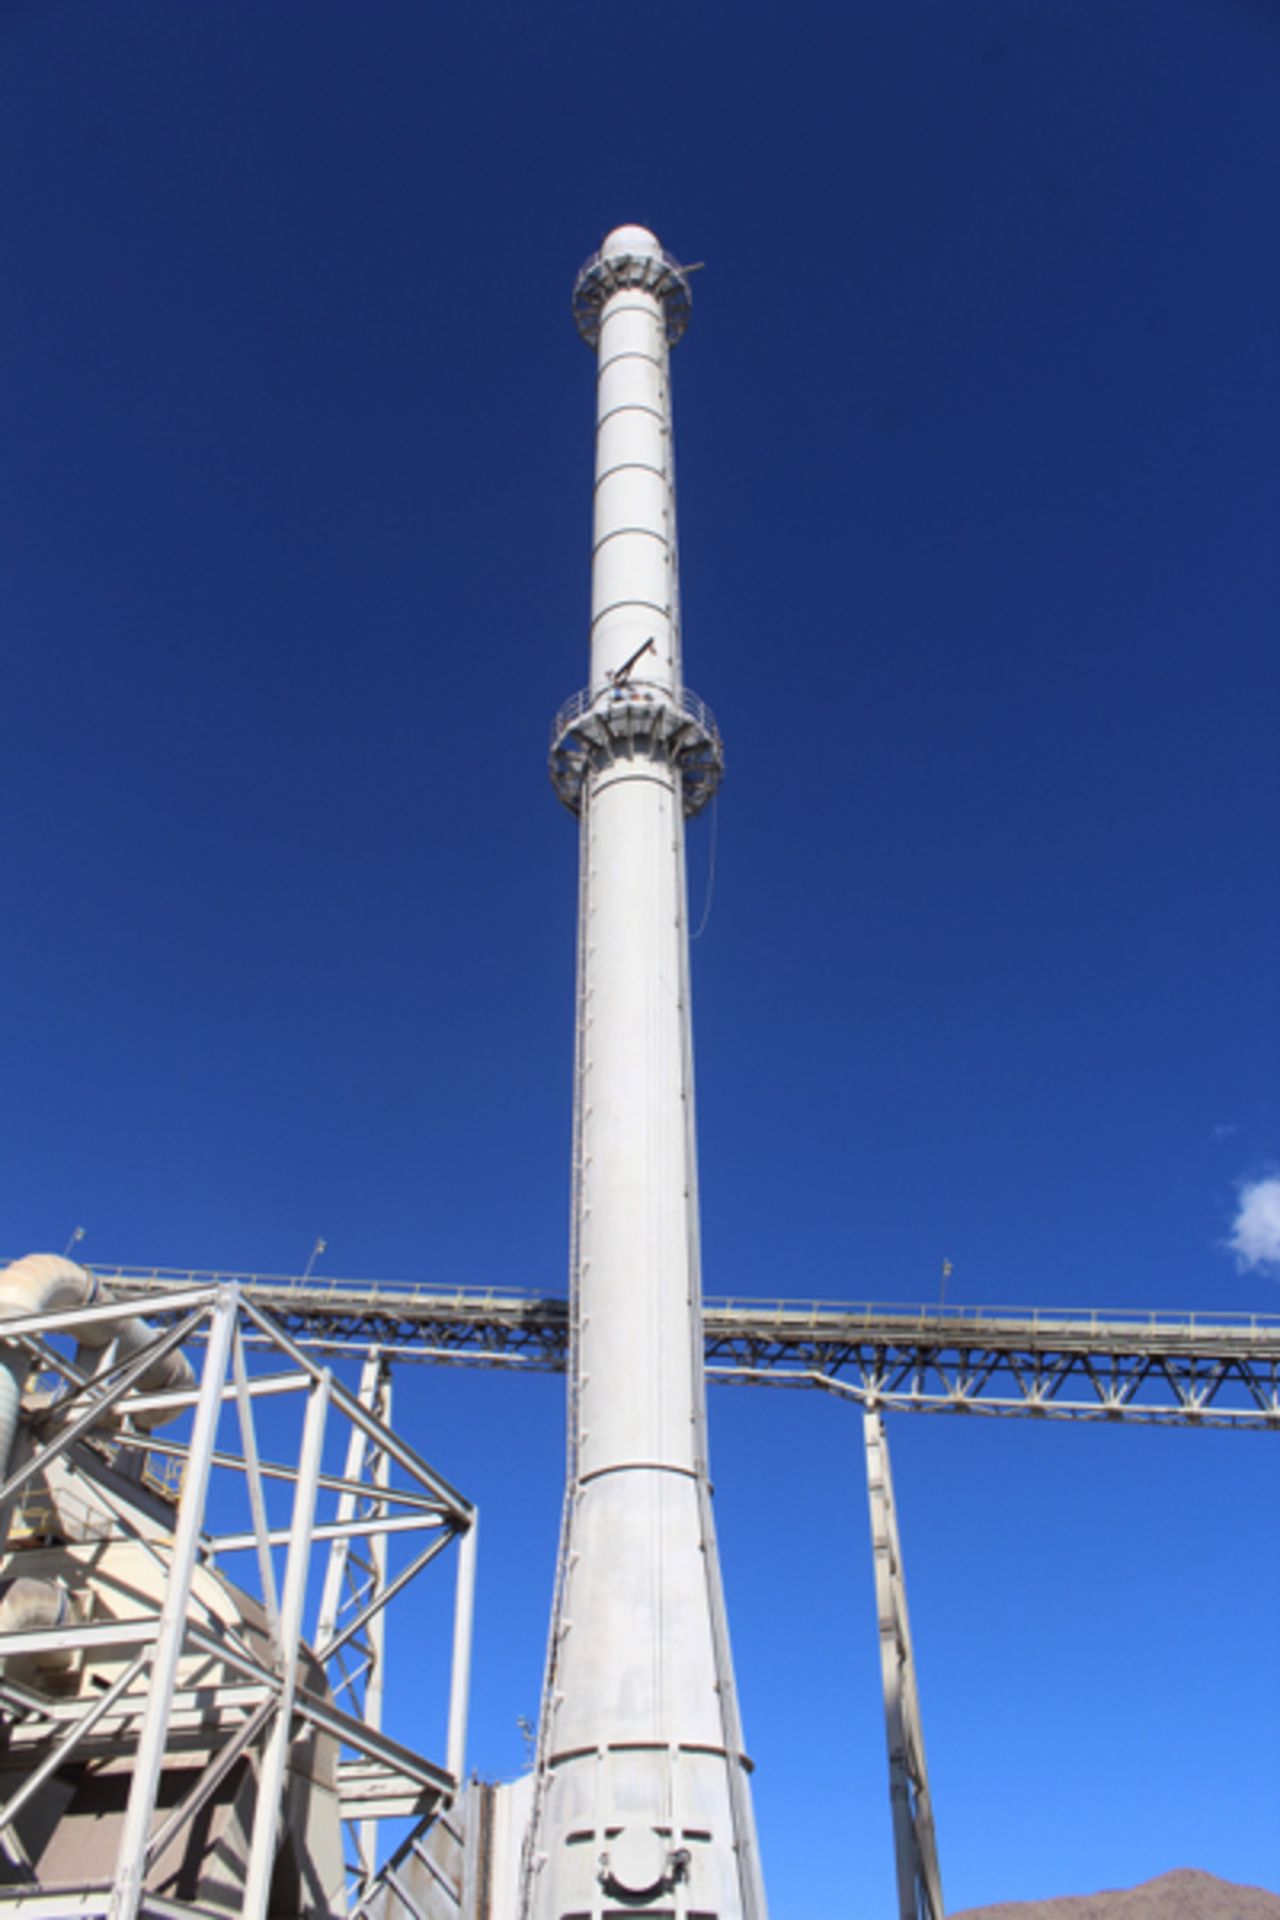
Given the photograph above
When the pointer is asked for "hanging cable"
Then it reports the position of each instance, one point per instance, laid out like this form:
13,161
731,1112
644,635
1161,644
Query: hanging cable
711,871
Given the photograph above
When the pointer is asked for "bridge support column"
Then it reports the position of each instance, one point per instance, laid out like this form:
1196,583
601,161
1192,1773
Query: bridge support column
914,1841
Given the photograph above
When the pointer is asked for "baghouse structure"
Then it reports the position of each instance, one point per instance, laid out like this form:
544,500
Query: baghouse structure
641,1799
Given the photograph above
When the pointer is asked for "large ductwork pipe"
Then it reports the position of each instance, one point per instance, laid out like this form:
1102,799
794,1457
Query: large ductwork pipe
45,1283
26,1605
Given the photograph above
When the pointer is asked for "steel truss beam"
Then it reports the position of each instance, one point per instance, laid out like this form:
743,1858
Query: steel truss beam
192,1682
1170,1369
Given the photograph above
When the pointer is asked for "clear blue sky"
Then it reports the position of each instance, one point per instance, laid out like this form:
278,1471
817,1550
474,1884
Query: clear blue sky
976,422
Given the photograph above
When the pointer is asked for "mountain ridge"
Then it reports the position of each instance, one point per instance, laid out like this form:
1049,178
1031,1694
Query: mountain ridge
1183,1894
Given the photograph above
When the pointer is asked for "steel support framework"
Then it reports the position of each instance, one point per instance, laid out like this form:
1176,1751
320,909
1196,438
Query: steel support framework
355,1575
264,1695
1159,1368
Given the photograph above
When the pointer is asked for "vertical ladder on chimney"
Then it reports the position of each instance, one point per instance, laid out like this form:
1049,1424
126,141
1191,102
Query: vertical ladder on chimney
581,1063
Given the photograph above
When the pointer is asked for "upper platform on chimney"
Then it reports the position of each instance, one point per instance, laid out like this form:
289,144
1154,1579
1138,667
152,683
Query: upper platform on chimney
631,257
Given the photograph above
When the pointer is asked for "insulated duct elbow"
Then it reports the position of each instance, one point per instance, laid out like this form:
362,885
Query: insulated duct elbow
26,1606
46,1283
171,1373
40,1283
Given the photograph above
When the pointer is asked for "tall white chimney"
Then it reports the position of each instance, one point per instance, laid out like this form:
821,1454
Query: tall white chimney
641,1792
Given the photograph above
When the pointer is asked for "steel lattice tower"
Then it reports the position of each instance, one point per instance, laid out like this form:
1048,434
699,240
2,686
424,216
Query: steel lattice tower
641,1798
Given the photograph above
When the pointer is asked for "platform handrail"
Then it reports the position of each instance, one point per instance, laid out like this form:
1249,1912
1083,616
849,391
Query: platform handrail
790,1310
637,693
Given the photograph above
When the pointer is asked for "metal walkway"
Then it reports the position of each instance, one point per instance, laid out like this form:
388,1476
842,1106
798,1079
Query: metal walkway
1171,1369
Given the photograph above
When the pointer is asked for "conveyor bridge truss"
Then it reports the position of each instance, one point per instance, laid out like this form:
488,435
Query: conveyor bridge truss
1157,1368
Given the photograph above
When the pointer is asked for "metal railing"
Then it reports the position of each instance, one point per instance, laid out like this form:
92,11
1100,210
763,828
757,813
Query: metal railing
777,1309
1024,1320
637,693
659,273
